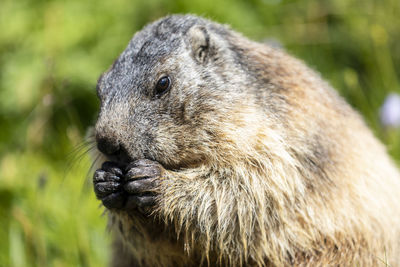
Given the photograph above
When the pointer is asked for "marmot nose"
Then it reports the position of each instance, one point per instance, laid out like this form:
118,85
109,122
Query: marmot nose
109,146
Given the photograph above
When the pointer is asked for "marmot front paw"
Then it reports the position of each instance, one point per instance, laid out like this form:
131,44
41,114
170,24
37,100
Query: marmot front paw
141,178
108,185
132,189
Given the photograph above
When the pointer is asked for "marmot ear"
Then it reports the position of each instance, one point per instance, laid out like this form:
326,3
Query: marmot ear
199,41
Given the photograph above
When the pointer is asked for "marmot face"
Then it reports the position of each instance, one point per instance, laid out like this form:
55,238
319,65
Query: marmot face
165,96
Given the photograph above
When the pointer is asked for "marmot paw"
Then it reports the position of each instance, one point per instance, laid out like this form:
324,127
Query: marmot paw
131,190
141,179
108,183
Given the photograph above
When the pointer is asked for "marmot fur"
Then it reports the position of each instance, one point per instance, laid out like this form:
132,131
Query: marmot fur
226,152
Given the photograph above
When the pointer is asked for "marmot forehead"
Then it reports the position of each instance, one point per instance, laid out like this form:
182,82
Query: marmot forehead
147,48
162,35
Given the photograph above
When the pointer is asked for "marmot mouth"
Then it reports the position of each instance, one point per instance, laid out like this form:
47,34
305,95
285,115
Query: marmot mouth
123,159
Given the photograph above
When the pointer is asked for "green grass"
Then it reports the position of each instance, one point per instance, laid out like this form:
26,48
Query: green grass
49,217
51,53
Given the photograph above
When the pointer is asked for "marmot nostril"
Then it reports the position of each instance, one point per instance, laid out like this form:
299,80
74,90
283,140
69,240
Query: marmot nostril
108,146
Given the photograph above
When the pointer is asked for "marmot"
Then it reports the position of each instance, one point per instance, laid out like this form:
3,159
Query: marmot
227,152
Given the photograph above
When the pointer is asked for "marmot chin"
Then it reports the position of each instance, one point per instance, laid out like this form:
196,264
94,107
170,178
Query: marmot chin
226,152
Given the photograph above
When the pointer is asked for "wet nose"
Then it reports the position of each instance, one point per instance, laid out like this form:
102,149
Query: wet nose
108,145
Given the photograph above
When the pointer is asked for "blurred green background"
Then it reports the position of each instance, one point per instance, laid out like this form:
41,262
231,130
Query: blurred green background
52,52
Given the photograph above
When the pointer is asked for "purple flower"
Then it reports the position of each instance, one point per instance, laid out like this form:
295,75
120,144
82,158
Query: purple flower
390,111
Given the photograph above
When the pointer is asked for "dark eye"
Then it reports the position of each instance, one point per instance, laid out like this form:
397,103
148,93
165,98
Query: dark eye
162,86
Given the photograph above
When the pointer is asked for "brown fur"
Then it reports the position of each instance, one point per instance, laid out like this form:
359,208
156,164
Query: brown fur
284,173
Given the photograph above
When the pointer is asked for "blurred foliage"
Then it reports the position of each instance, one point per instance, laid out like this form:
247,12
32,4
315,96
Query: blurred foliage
52,51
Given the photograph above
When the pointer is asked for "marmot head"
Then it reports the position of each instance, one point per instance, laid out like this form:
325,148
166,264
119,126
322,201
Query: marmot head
167,95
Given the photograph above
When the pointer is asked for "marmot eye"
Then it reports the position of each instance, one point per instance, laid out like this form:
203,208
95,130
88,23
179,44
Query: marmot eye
162,86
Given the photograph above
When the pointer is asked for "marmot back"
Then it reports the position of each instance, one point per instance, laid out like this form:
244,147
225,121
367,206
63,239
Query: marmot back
223,151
